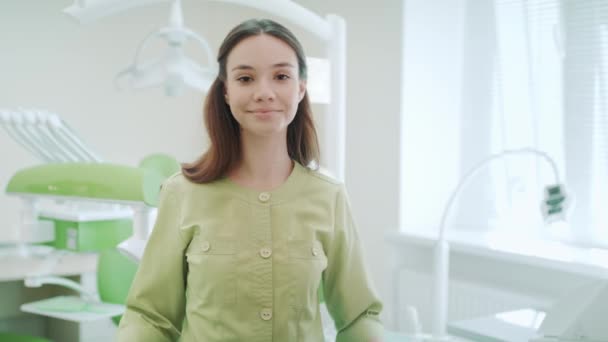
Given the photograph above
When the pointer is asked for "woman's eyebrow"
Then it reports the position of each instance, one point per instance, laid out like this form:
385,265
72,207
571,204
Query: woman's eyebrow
242,67
276,65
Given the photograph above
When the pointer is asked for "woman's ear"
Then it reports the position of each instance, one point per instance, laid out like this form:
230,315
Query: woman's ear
302,90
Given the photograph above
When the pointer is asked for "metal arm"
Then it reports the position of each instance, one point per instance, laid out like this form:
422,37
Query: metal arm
441,253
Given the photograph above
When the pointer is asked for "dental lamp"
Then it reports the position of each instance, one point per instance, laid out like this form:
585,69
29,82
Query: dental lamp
174,70
553,209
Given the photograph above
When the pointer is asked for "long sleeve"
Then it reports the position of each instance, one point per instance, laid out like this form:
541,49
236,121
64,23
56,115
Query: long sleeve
156,300
348,290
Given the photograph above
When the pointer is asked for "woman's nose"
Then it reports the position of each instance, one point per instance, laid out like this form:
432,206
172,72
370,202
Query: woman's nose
264,92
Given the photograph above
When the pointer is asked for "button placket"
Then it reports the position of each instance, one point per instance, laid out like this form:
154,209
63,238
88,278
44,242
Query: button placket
261,234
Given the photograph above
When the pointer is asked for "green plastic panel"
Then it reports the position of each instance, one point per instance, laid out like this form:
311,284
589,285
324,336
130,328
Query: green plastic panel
10,337
89,180
115,273
90,236
164,164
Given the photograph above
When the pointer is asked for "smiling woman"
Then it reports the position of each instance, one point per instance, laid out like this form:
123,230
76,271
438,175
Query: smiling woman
247,235
267,87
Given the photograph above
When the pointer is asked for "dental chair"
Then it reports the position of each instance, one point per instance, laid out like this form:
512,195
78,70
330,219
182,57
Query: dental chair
134,187
75,202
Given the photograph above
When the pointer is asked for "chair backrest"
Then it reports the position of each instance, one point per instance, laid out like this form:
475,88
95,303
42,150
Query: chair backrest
115,273
164,164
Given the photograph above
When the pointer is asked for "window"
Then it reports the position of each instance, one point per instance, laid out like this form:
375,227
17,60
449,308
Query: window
528,73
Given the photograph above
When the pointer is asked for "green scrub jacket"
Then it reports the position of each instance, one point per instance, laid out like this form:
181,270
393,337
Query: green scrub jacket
227,263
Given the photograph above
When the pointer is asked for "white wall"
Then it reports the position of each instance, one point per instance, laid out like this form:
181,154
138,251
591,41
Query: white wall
432,79
49,61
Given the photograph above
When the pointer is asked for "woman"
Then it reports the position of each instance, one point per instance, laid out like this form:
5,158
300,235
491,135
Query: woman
247,234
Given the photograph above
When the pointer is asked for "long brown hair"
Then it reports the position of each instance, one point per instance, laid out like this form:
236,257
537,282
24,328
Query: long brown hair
224,131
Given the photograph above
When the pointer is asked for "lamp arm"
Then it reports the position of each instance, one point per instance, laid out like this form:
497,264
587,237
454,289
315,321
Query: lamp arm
88,11
469,175
95,10
441,253
291,11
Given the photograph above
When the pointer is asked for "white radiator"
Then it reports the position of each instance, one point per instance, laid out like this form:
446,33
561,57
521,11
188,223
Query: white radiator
466,300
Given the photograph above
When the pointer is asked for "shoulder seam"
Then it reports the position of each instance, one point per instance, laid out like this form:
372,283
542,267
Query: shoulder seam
178,173
323,177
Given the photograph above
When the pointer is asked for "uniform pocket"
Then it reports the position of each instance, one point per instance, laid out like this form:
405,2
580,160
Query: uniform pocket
212,270
307,261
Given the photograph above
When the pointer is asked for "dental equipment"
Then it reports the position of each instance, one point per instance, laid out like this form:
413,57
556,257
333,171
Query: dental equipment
51,140
92,208
577,316
174,70
88,183
135,187
45,136
92,183
553,208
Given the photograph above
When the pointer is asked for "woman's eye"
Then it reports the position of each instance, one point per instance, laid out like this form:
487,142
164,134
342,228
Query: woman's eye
244,79
282,77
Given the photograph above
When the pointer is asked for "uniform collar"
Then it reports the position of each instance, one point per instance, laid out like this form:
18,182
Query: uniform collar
282,193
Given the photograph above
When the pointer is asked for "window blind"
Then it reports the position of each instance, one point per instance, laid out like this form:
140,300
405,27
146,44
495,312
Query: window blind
550,93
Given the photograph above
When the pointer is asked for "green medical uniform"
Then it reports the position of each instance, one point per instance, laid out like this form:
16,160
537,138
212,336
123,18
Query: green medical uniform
227,263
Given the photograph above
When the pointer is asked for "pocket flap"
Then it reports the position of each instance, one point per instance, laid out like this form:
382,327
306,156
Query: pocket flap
305,249
200,245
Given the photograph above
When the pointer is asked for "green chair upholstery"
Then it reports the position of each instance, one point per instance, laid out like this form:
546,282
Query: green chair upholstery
12,337
115,273
163,164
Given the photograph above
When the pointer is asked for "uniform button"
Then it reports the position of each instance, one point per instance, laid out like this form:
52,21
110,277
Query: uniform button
265,252
266,314
264,197
206,246
315,251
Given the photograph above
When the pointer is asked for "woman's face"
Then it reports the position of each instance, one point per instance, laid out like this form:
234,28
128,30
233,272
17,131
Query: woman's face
263,87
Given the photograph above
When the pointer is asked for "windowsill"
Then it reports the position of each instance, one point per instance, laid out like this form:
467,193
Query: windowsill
534,251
